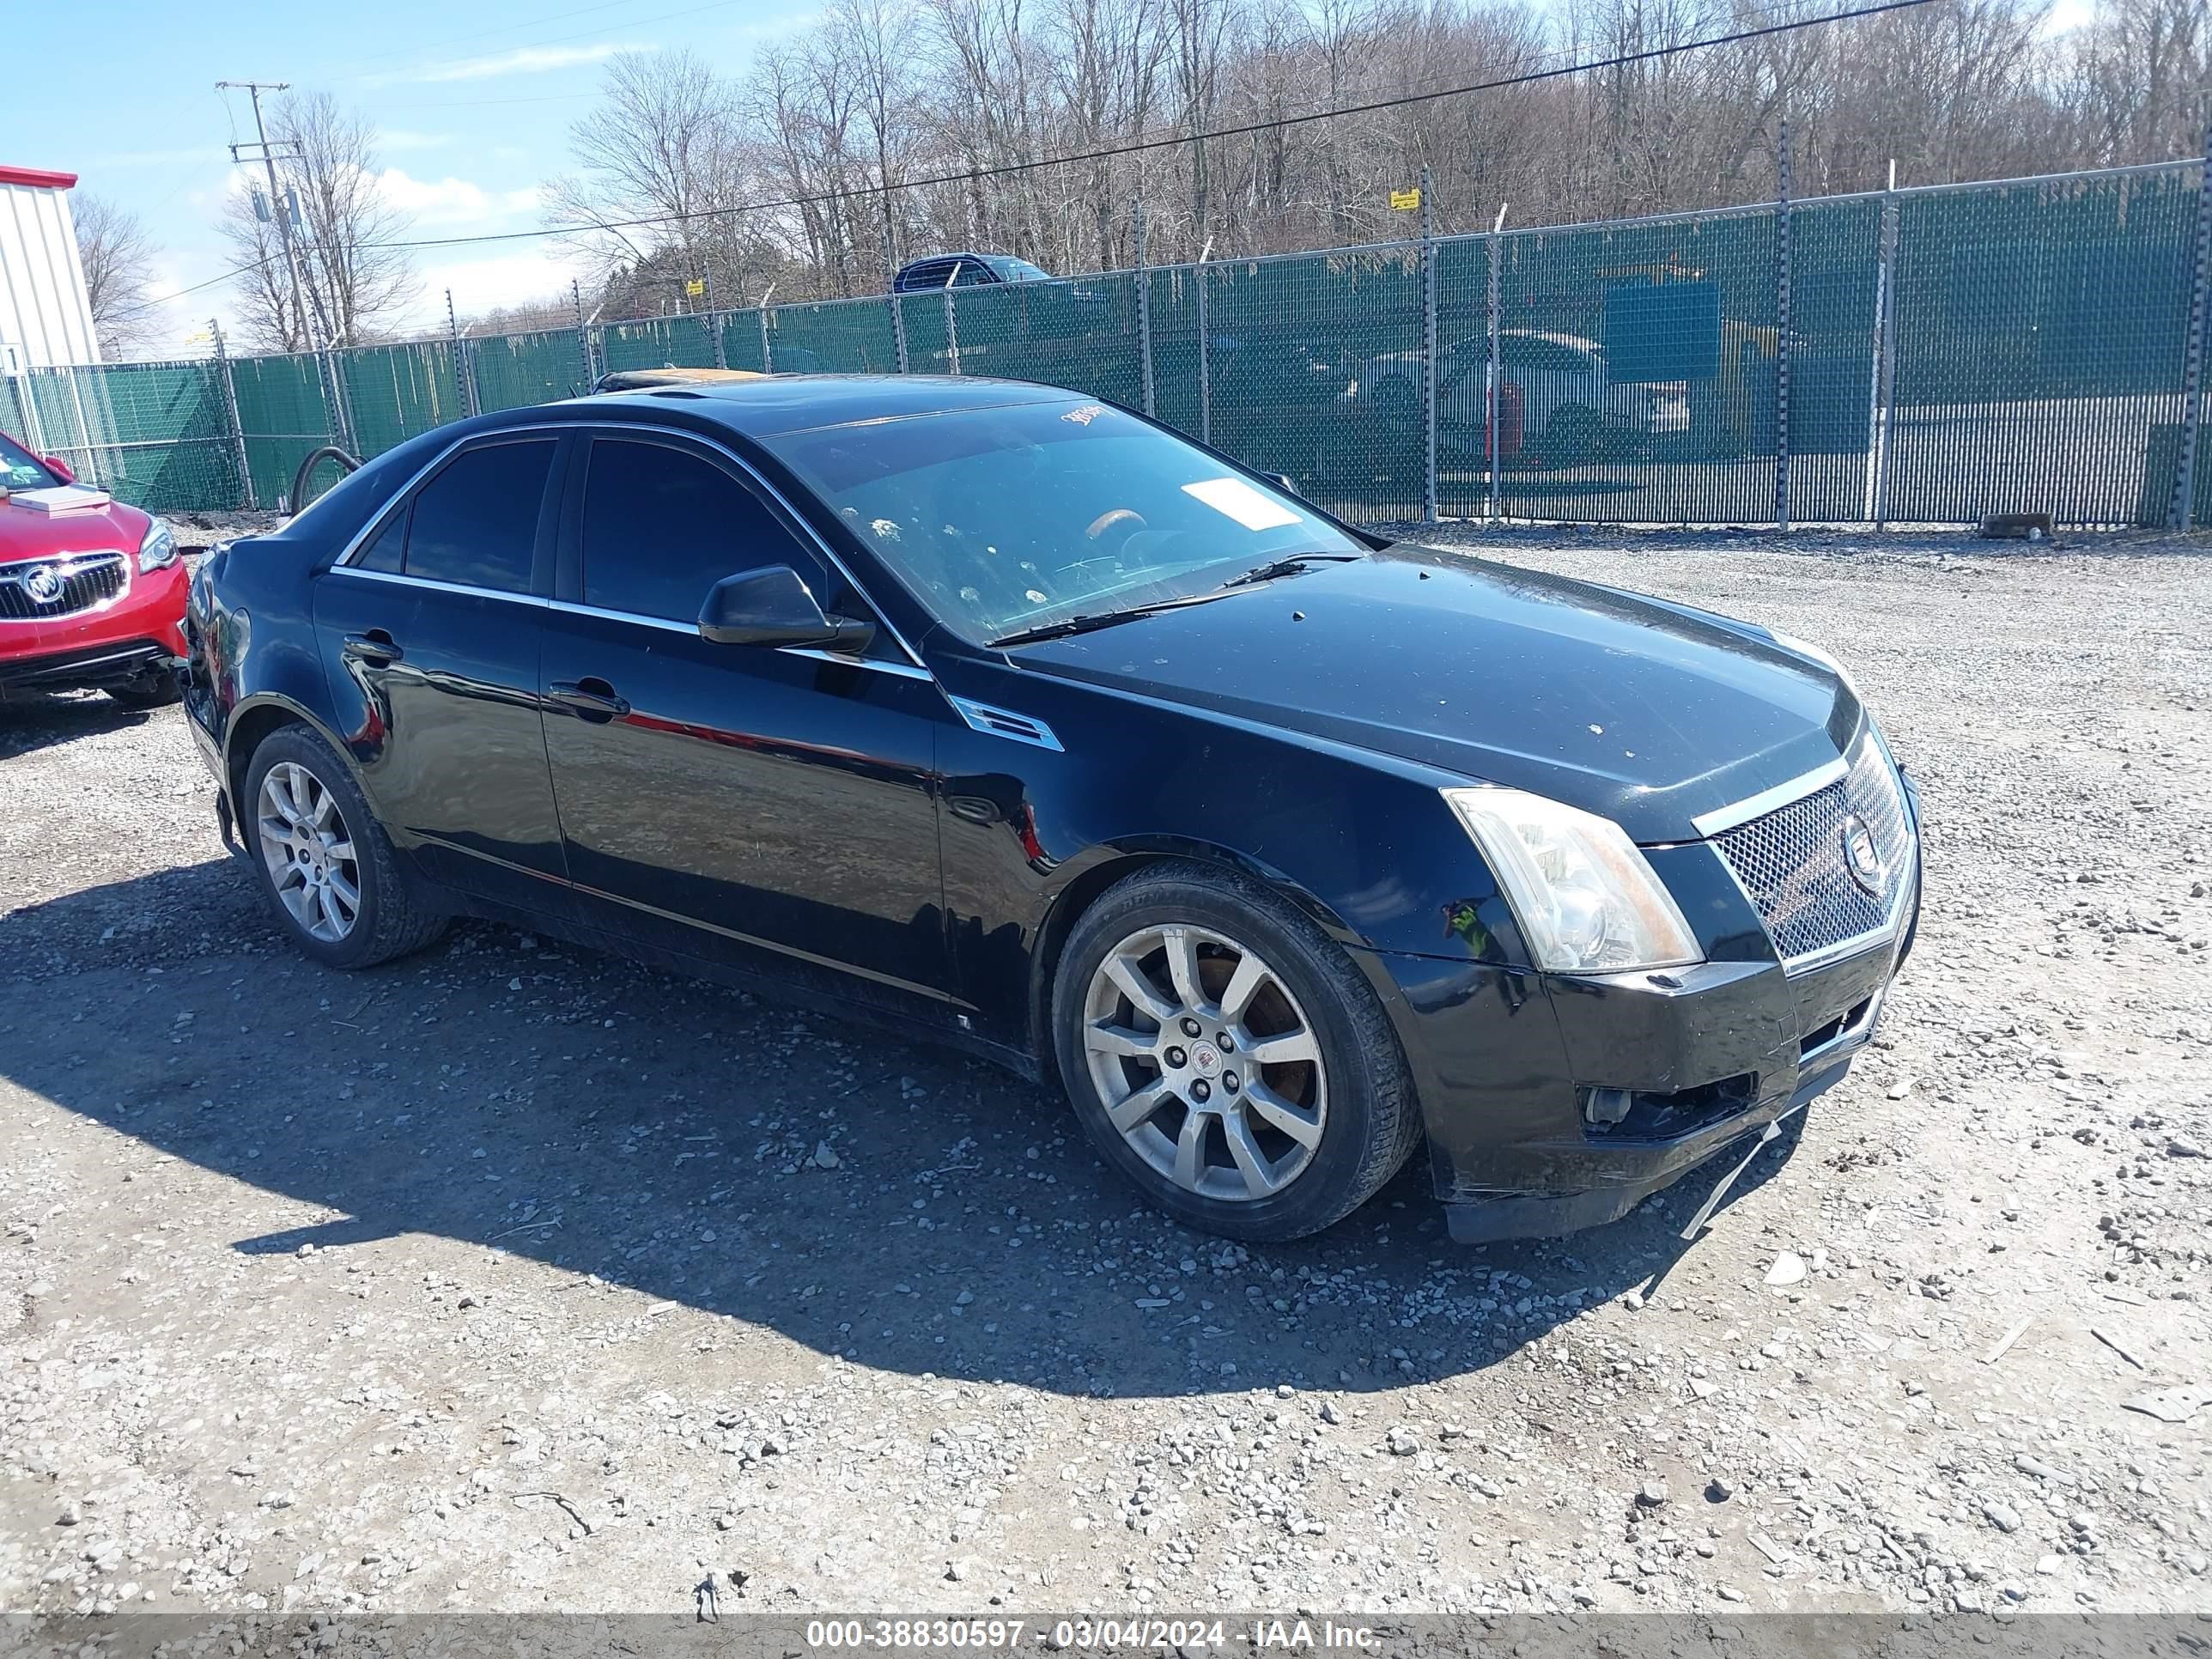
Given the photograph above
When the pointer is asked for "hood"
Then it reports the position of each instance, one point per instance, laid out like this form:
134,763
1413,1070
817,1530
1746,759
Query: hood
1647,713
25,534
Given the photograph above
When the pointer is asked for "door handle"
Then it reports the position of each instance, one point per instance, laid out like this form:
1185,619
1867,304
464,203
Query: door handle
374,647
590,698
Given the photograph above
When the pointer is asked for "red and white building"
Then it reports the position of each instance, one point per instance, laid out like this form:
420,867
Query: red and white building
45,314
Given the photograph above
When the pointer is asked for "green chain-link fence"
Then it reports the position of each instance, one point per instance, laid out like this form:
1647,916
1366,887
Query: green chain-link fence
1923,356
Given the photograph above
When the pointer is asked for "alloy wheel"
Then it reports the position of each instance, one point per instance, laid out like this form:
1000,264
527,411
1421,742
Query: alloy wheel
1204,1063
309,852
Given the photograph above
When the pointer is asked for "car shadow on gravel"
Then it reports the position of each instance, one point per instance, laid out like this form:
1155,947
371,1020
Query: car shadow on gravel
41,719
905,1207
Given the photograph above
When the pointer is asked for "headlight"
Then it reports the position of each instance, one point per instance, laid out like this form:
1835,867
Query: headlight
1586,900
1804,648
159,550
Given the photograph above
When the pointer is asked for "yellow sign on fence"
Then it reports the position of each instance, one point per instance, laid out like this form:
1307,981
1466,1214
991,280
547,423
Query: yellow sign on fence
694,288
1406,201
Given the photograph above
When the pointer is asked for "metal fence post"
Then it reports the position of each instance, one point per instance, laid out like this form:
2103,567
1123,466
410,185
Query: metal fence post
768,350
952,326
1492,389
1205,353
464,382
230,412
721,357
1428,350
898,331
2182,514
1882,395
1143,302
583,334
891,294
32,419
1782,330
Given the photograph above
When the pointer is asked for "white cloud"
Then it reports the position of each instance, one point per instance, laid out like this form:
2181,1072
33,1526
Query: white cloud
451,201
483,284
523,60
2066,15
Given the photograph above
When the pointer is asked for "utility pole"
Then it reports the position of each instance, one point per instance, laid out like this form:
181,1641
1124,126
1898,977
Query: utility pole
268,160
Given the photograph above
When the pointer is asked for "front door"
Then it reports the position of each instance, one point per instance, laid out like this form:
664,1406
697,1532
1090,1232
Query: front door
733,797
430,640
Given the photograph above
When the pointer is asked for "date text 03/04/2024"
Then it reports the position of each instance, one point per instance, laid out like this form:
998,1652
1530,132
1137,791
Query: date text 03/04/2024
1084,1634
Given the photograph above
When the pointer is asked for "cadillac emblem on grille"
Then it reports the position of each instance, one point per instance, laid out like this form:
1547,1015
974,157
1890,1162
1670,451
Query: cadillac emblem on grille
1862,857
44,584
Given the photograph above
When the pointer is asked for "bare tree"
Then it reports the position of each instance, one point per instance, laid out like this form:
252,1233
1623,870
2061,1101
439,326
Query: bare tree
353,279
118,256
890,128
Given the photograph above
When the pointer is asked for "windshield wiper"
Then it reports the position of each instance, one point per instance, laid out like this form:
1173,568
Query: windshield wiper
1093,620
1289,565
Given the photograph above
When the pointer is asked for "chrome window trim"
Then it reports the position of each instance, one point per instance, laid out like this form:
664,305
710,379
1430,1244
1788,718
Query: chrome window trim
69,564
668,625
617,430
398,578
368,532
1722,819
903,671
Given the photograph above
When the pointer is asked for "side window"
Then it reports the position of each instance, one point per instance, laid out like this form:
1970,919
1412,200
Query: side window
387,552
476,521
974,273
662,527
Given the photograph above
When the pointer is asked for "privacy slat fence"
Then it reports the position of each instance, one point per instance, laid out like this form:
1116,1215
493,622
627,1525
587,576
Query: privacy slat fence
1914,356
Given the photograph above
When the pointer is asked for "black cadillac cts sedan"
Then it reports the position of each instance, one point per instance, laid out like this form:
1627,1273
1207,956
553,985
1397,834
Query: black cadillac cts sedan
1013,718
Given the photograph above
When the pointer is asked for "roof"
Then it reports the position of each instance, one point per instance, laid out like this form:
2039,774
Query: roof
38,178
797,403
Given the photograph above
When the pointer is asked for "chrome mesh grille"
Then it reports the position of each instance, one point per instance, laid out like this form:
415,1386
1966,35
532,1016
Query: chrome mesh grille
1793,862
84,583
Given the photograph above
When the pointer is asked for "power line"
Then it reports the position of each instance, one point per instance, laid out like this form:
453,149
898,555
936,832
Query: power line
1620,60
1272,123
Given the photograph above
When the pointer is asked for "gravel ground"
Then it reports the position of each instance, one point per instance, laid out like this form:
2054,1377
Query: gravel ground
512,1277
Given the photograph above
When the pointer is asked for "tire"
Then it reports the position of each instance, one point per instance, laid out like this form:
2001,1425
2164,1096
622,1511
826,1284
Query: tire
1357,1119
156,690
387,916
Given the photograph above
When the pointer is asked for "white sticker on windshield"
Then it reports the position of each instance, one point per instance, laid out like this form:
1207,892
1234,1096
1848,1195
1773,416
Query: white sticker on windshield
1240,502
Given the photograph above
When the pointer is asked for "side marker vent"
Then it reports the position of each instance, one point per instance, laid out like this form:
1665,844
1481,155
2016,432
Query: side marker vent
1005,723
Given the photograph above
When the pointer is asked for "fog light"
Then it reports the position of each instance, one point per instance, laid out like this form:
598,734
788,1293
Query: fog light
1605,1106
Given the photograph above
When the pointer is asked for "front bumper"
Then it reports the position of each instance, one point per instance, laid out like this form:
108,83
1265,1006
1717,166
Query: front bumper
140,632
89,667
1554,1103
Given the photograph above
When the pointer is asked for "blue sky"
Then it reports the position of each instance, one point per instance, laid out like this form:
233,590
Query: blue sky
474,99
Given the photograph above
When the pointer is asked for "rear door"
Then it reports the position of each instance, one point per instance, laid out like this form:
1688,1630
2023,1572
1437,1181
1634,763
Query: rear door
430,634
731,799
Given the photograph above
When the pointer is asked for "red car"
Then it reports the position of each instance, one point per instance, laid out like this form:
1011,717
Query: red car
93,596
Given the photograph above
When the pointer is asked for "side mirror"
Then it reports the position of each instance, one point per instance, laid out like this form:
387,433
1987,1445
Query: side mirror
1282,482
60,468
774,606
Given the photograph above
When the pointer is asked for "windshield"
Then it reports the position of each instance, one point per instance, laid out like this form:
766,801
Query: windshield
1007,518
1016,271
20,469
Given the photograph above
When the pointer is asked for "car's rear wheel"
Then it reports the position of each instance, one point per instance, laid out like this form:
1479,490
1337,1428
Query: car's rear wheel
1224,1055
326,867
155,690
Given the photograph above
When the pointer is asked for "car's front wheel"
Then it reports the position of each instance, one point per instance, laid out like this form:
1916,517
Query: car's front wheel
1224,1055
326,868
